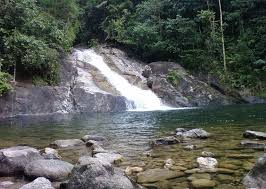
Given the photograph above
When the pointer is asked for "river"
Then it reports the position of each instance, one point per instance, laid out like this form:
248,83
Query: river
129,133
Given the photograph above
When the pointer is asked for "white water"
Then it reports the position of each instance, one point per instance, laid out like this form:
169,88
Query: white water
143,100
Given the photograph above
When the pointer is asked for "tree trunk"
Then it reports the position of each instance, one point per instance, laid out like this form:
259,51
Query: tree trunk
222,36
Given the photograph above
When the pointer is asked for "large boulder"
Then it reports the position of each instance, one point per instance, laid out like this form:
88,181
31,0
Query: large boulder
256,178
50,153
14,160
55,170
39,183
94,173
109,157
254,134
67,143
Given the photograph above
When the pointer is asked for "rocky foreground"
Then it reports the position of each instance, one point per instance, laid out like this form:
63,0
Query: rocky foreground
99,168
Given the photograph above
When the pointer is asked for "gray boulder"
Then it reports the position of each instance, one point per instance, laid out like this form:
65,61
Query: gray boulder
55,170
39,183
67,143
98,174
193,133
50,153
254,134
14,160
256,178
109,157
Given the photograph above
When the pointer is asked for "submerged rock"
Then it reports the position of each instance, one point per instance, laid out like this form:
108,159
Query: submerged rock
207,162
253,144
14,160
155,175
39,183
67,143
256,178
55,170
98,174
193,133
254,134
165,141
190,147
203,183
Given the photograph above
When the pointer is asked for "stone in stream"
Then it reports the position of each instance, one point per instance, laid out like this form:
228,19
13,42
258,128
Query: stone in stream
190,147
254,134
207,154
50,153
253,144
109,157
67,143
132,170
55,170
168,164
6,184
203,183
39,183
95,173
94,138
207,162
196,176
193,133
165,141
157,174
14,160
256,178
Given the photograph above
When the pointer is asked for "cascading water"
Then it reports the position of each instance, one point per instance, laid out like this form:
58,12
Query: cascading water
143,100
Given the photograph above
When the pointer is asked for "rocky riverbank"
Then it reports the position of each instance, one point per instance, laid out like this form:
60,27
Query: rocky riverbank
84,89
193,165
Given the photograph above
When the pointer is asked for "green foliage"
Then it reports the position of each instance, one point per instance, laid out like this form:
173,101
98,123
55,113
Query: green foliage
189,32
174,77
5,85
32,35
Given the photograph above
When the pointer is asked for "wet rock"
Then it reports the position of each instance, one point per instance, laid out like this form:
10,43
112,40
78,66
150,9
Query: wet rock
253,144
203,183
228,166
50,153
55,170
94,138
254,134
109,157
207,162
181,130
67,143
39,183
190,147
165,141
194,133
14,160
147,71
98,149
132,170
169,163
155,175
207,154
256,178
98,174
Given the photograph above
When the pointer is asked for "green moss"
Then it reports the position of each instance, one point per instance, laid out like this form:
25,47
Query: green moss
5,85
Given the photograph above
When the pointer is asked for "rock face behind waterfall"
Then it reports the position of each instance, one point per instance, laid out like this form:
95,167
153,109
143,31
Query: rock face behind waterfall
76,93
84,89
176,87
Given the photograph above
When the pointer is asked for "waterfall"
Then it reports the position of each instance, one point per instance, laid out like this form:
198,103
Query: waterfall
138,99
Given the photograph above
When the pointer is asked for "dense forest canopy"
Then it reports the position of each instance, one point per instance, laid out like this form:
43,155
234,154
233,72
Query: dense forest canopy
34,33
